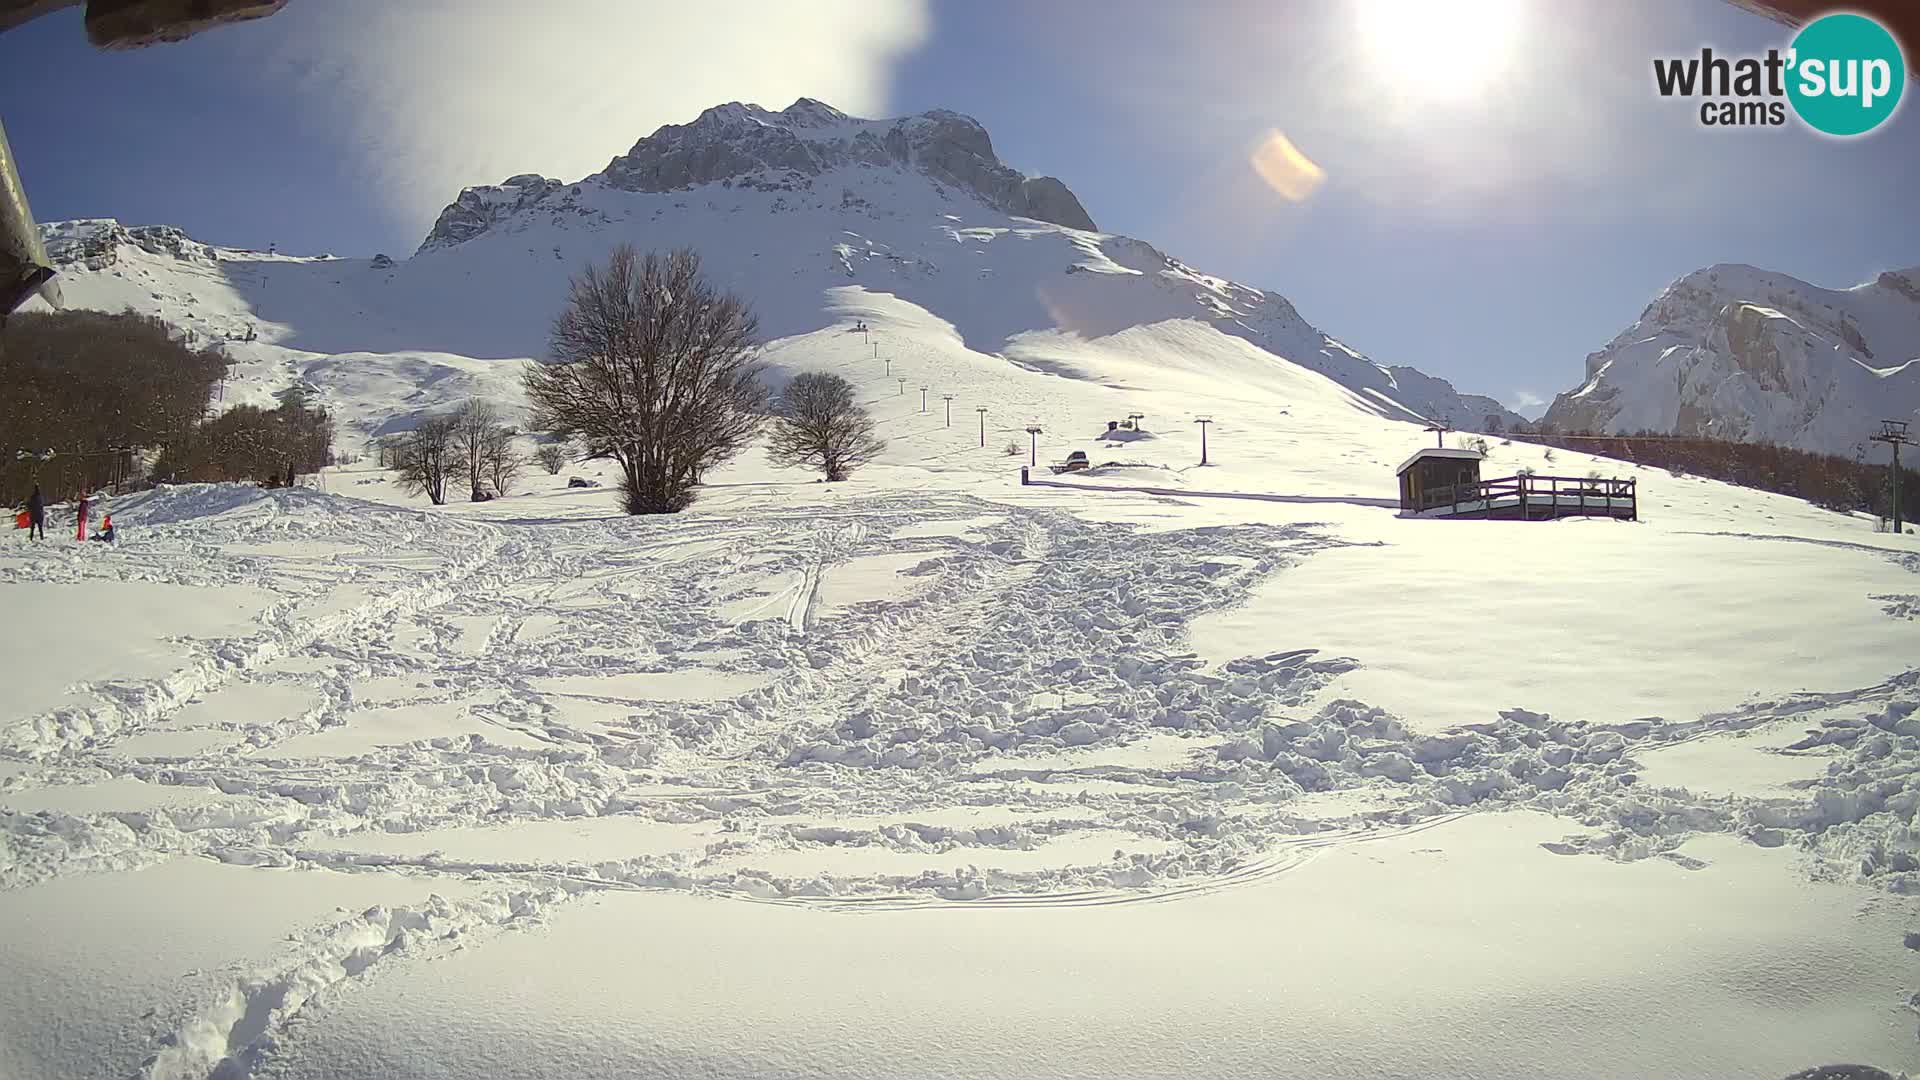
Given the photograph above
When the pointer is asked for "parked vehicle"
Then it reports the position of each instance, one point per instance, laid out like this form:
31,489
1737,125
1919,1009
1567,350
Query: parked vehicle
1076,462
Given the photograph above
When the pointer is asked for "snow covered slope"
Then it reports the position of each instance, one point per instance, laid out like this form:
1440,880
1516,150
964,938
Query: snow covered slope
933,772
1740,353
788,208
909,775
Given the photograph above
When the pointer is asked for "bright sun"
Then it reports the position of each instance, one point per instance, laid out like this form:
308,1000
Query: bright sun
1439,50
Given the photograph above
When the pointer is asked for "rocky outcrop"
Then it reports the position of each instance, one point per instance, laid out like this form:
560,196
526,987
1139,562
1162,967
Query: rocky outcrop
94,243
741,145
479,208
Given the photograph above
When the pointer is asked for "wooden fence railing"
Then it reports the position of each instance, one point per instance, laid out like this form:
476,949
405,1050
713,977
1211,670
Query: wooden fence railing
1549,494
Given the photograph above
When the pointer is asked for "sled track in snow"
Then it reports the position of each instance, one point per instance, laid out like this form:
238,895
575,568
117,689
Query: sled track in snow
1286,855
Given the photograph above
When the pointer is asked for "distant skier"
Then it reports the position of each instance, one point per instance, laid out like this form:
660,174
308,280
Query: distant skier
36,514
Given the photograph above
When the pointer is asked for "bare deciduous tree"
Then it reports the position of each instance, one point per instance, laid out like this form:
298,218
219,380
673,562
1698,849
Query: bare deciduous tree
82,383
250,443
477,438
387,451
818,426
502,460
654,368
424,456
553,457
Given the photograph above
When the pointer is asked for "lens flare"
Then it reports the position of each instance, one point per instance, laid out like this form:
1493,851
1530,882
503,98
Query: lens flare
1285,169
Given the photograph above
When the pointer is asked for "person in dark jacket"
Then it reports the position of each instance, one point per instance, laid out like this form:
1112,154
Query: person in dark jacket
36,514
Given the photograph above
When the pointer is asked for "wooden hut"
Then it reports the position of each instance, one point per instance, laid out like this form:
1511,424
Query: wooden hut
1436,475
1438,482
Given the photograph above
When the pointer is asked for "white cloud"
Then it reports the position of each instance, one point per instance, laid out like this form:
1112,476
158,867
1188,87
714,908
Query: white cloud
430,96
1525,402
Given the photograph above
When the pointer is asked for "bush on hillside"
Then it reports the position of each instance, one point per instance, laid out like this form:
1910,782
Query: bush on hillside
818,426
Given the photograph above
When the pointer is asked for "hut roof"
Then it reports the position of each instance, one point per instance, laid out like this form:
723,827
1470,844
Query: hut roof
1439,452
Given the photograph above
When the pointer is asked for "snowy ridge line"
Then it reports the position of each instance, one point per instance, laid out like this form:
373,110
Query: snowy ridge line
235,1035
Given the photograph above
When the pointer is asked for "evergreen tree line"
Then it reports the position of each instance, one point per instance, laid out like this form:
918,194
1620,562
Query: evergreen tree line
1829,481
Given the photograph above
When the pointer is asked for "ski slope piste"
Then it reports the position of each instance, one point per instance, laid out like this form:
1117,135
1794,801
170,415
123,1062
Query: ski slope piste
1152,770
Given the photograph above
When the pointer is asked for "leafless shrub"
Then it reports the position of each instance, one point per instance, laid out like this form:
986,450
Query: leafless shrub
553,457
819,426
424,457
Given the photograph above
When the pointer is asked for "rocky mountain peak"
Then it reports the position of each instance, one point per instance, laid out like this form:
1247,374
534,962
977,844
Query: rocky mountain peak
744,145
95,242
1735,351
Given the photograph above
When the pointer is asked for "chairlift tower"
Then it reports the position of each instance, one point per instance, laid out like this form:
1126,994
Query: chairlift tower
1203,421
1439,429
1033,445
982,410
923,399
948,398
1894,434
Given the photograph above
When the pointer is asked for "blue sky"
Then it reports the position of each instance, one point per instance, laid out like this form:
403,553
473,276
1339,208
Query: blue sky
1492,237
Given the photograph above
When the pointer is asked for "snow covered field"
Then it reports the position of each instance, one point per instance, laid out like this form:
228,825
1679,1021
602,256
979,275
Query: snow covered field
884,779
1154,770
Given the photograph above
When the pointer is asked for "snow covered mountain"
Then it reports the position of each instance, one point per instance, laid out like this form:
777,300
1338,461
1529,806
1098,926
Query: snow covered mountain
1740,353
784,151
790,208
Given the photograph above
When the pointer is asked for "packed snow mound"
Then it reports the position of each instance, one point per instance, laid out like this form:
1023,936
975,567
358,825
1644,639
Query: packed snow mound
175,503
287,508
1736,352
